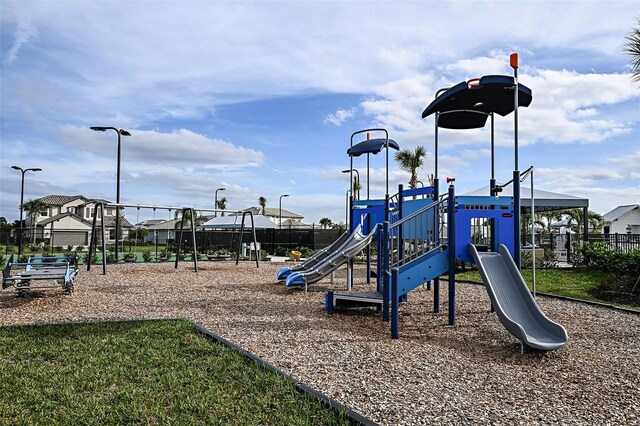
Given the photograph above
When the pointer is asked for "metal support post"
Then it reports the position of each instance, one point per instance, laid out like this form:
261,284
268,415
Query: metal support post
395,308
451,238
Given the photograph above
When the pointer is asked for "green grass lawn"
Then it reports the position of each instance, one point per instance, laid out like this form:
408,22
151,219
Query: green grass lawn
155,372
563,282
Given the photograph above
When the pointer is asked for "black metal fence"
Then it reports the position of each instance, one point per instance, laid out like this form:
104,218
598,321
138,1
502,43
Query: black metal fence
269,239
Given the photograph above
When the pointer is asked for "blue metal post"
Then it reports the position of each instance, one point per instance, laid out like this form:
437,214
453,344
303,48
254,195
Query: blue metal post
380,238
400,236
328,302
386,259
451,238
436,238
395,308
368,222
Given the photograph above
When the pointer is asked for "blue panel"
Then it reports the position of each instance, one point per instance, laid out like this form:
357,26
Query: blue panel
471,207
422,270
368,203
427,190
376,215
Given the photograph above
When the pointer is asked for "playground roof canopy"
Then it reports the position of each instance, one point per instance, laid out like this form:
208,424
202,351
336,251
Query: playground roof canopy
371,146
234,222
467,106
543,200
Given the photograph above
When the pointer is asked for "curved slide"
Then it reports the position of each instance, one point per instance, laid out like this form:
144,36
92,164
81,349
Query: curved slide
514,304
352,246
315,259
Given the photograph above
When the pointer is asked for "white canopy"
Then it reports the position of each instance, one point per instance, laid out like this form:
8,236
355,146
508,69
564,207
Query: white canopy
544,200
234,222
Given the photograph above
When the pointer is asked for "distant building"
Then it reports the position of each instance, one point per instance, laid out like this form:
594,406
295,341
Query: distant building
67,220
622,220
289,218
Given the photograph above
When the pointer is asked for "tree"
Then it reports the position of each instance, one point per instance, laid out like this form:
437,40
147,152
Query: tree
576,216
325,222
187,219
34,207
263,205
411,161
3,222
633,49
222,204
356,188
549,218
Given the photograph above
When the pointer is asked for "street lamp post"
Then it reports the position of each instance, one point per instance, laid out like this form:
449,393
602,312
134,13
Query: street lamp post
120,132
215,214
280,215
23,171
358,179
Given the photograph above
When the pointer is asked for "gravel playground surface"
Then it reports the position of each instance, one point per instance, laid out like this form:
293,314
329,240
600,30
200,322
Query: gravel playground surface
470,373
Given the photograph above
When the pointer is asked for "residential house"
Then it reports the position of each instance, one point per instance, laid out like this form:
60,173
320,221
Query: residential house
67,220
622,220
163,231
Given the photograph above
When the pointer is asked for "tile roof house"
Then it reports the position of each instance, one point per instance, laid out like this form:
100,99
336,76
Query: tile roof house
67,219
622,220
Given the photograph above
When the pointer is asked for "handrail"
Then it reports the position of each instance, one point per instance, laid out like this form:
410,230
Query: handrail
443,199
414,236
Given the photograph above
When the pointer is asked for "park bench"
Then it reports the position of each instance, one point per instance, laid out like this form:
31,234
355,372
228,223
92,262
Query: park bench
40,273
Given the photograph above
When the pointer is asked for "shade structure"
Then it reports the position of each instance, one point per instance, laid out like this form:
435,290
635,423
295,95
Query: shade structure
371,146
467,106
543,200
234,222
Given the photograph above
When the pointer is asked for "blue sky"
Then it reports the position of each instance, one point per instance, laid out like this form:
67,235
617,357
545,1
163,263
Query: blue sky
261,97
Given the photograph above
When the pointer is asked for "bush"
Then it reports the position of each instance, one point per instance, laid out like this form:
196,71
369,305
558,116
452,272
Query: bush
111,257
23,259
306,251
281,251
146,256
69,248
94,259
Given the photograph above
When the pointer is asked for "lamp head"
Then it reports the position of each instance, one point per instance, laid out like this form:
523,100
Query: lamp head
16,167
36,169
124,132
98,128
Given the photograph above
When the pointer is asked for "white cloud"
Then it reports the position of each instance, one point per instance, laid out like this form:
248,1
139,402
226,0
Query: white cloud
154,148
340,116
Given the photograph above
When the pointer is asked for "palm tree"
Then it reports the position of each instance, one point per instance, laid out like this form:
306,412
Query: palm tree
549,218
577,216
325,222
633,49
187,218
411,161
356,188
222,204
263,205
34,207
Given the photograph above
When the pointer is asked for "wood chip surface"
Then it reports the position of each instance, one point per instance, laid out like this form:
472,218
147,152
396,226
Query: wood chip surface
434,374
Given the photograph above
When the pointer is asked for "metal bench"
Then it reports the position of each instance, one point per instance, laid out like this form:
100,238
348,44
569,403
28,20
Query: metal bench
45,272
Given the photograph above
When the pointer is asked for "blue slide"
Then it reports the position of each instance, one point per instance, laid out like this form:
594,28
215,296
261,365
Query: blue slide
514,304
351,247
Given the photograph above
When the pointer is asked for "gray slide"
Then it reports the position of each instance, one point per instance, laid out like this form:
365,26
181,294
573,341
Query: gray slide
514,304
356,242
315,259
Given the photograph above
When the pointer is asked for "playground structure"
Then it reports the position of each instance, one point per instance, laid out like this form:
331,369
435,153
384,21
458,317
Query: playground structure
47,271
189,212
414,249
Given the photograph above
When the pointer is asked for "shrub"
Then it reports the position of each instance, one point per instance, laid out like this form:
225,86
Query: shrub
69,248
111,257
94,258
306,251
281,251
146,256
23,258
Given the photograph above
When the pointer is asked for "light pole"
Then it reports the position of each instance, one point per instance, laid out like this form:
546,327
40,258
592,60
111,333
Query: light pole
280,215
215,214
120,132
23,171
357,178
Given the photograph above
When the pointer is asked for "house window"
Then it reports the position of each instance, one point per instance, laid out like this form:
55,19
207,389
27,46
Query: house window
44,213
71,210
606,229
92,212
109,212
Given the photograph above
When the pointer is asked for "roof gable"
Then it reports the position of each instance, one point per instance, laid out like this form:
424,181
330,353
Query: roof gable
618,212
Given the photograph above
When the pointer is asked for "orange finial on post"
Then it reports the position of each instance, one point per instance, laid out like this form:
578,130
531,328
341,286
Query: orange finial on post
513,61
368,135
